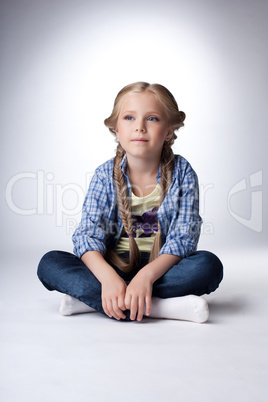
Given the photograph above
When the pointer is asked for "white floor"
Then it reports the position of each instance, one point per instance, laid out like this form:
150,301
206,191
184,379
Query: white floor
47,357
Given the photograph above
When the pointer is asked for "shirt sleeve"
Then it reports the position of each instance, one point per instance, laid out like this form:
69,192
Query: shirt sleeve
91,232
184,228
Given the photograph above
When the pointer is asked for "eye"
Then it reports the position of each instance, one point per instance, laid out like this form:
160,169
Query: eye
153,118
128,117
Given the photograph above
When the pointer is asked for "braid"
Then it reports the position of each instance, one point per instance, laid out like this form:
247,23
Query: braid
125,213
167,165
121,188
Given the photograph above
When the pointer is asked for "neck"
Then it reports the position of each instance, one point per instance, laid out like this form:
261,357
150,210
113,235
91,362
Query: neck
143,167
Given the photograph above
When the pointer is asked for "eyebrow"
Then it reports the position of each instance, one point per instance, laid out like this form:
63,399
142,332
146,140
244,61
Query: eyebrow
133,111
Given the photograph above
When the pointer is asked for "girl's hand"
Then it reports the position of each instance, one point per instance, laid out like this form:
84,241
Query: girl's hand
113,296
139,295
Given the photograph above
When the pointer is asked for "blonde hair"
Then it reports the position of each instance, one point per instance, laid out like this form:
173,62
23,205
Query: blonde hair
175,119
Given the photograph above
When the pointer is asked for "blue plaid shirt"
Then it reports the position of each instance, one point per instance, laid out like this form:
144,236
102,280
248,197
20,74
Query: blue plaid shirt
101,223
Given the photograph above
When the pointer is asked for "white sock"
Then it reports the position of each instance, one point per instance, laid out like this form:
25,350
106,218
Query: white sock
189,308
70,305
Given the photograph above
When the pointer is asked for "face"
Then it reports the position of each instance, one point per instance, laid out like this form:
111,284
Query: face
142,126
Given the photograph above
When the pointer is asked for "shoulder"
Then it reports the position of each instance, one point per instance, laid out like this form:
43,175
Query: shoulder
182,168
181,165
101,183
105,170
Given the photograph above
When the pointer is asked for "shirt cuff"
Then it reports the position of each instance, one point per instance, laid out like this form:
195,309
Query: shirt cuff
92,245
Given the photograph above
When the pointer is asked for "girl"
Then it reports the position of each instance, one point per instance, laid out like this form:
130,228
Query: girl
135,248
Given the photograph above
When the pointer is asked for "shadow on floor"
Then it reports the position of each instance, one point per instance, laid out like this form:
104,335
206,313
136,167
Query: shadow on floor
232,306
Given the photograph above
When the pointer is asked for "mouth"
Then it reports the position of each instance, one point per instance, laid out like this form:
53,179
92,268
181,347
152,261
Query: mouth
140,140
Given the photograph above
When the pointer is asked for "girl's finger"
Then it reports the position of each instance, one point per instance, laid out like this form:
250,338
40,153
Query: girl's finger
105,308
148,302
133,308
111,310
127,301
117,311
140,309
121,303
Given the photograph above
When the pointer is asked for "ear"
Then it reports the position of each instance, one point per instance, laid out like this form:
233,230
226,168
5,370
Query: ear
169,134
116,133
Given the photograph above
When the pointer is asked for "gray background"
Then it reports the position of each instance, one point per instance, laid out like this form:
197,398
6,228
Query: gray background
63,62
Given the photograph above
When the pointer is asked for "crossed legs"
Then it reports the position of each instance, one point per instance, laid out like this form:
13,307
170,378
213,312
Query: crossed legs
174,296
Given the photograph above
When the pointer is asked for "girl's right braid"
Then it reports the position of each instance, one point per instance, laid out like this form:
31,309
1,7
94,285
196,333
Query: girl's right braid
122,191
125,213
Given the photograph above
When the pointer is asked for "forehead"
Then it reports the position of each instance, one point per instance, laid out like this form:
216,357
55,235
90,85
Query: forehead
144,101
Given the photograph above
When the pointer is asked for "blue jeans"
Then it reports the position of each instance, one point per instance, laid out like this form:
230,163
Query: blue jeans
199,273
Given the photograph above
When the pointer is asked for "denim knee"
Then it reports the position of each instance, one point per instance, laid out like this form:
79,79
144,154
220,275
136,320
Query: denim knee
213,266
45,265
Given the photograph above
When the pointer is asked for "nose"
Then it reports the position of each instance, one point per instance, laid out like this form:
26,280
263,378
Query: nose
140,126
